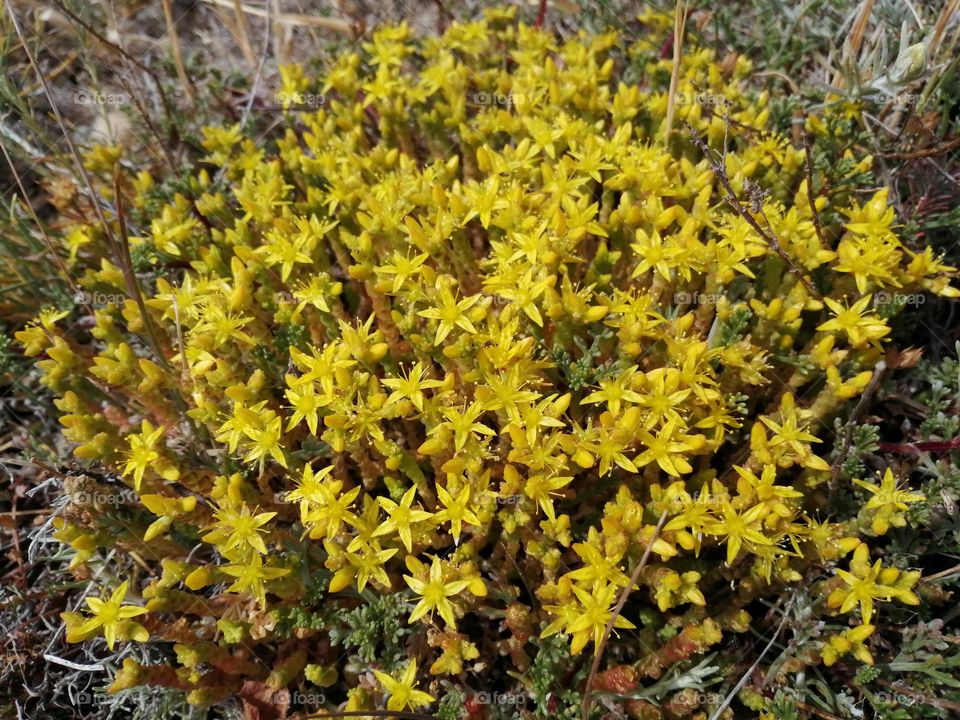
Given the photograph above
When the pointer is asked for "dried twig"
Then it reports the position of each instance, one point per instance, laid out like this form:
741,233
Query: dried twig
769,237
941,149
47,241
756,663
879,370
324,23
161,91
175,49
122,248
541,14
949,8
811,194
239,23
679,25
372,713
617,609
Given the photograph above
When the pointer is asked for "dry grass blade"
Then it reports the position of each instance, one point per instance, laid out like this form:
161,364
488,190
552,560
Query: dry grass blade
734,202
239,23
81,170
679,26
878,372
373,713
617,609
749,673
47,241
941,26
175,49
324,23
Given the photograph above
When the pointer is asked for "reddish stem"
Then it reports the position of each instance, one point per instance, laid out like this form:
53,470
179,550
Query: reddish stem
541,14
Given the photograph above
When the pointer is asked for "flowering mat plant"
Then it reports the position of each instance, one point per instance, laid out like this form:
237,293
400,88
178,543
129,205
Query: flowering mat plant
519,379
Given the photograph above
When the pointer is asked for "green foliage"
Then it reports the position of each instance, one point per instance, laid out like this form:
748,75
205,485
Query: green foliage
374,630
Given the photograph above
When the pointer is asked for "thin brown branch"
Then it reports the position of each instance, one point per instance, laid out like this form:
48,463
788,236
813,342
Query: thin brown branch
617,609
130,279
84,175
811,194
175,49
769,237
373,713
541,14
679,26
955,570
942,149
47,241
879,370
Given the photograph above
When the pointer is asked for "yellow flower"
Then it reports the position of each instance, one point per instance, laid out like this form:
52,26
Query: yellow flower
887,504
859,327
850,641
586,618
403,692
400,517
251,575
239,529
114,617
450,313
435,593
143,454
865,583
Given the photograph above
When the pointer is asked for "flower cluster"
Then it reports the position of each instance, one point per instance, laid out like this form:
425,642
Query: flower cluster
469,354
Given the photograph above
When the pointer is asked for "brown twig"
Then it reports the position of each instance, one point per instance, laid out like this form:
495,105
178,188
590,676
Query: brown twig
373,713
879,370
175,49
679,26
164,99
541,14
811,194
51,248
939,29
617,609
925,152
82,171
130,279
769,237
955,570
